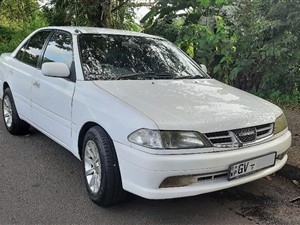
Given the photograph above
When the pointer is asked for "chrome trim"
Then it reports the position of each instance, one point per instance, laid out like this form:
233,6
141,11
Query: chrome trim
235,140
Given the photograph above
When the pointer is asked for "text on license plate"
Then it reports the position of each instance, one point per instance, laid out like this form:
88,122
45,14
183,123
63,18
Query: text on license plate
245,167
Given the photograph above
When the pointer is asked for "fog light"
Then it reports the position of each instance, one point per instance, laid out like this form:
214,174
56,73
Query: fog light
179,181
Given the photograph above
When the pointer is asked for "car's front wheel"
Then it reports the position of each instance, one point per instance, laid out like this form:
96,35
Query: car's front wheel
11,119
101,169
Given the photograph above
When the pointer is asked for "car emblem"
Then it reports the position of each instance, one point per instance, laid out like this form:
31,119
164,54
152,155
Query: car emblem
246,133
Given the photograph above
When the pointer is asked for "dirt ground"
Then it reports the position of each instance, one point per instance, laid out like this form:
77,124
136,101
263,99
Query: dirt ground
268,201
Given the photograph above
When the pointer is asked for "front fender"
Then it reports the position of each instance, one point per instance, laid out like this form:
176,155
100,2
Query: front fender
117,118
4,58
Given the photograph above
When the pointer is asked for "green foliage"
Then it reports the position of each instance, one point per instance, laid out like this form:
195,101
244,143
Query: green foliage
18,19
9,39
97,13
253,45
214,49
199,28
268,56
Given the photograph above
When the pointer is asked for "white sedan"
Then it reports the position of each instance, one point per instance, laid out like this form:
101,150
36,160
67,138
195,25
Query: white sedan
140,114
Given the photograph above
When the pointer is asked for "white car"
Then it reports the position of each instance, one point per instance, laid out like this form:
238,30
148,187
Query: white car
140,114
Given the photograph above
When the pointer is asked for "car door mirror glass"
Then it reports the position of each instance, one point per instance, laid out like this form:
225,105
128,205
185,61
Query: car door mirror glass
55,69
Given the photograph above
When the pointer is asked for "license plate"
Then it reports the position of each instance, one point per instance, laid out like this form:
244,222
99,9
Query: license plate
243,168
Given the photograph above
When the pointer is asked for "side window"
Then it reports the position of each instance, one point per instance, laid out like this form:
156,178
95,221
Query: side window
20,53
59,49
30,53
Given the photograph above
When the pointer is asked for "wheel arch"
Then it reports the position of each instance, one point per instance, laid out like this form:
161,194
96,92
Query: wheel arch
82,133
5,85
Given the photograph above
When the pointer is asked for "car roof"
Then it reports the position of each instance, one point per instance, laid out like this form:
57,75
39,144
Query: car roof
98,30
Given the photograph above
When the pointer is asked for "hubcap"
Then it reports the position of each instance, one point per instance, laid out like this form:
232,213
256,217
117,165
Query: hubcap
7,111
92,166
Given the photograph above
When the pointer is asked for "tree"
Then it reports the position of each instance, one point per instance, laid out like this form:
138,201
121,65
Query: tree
17,12
253,45
98,13
18,18
199,27
267,59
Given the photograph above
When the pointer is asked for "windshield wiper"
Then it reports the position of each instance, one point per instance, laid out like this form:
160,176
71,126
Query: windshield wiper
157,75
190,77
146,75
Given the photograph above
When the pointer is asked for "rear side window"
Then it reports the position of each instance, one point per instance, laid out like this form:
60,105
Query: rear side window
31,51
59,49
20,53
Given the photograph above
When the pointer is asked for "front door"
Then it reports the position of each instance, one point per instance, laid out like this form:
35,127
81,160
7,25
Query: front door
52,96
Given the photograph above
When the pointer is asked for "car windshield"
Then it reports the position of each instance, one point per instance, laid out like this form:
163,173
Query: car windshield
121,57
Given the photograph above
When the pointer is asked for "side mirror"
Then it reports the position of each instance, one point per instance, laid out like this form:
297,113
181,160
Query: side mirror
203,67
55,69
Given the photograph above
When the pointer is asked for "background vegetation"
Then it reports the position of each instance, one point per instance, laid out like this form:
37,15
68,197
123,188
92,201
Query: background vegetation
253,45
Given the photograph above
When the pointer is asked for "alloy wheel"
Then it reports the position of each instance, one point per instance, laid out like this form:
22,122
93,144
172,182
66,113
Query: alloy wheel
92,166
7,111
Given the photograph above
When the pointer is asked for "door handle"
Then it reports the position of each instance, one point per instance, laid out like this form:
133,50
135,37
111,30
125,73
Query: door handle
36,84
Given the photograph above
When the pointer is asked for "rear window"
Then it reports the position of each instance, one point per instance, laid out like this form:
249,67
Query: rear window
31,51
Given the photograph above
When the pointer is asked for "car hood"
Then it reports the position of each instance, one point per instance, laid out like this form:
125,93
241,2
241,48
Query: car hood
204,105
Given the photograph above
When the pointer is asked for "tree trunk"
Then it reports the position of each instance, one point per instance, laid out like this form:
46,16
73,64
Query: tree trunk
102,16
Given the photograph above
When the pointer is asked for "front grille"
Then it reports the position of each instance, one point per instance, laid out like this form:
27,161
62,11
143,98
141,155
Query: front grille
238,137
222,138
246,135
263,131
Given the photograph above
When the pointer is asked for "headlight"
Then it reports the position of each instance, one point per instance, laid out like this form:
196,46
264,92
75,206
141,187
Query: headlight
280,124
183,139
168,139
147,138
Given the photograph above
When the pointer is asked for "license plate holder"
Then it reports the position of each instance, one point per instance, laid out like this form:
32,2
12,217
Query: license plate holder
251,165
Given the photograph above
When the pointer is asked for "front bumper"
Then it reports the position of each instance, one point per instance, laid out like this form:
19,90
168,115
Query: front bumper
142,173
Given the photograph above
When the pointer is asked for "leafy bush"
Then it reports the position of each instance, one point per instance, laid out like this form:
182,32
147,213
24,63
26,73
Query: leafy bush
253,45
198,28
17,20
267,60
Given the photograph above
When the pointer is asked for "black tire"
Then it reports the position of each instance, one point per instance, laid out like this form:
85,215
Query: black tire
110,191
17,126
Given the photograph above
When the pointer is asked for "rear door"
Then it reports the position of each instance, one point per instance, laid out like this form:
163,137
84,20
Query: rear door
23,70
52,96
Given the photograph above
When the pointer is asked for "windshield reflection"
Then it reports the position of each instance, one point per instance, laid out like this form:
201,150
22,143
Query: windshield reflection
116,57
